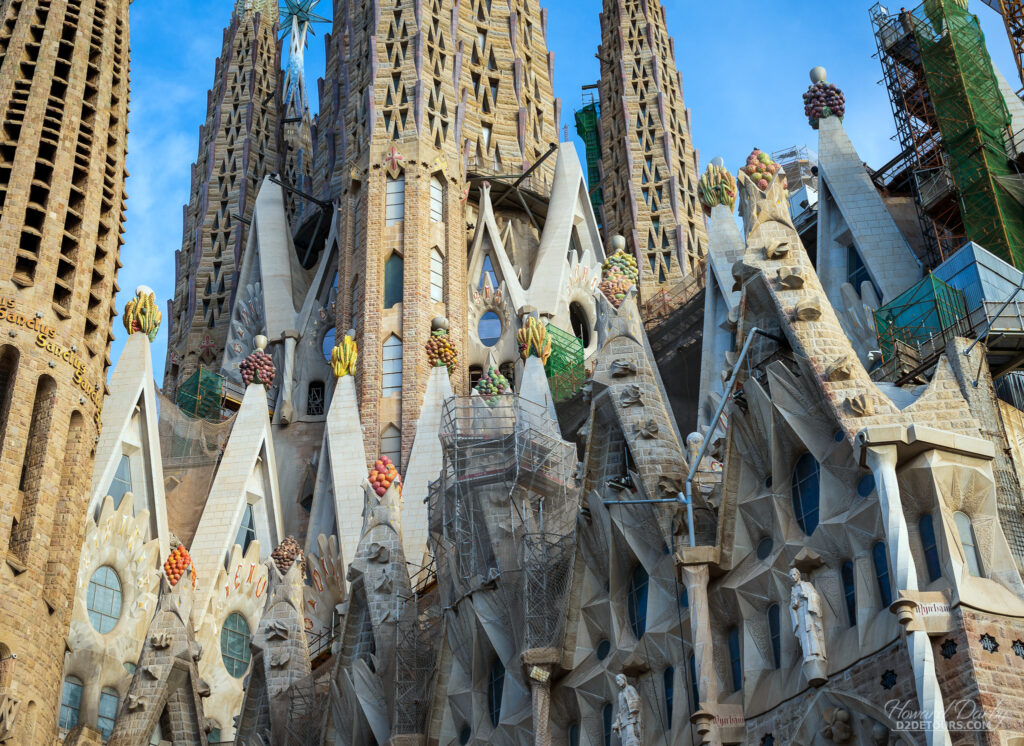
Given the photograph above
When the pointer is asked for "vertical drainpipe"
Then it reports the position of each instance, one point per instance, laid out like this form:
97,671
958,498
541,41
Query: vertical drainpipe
881,459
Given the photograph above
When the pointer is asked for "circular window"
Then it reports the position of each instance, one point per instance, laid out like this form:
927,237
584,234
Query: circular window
603,648
329,343
838,437
489,329
465,734
580,324
764,547
104,599
866,485
768,482
234,645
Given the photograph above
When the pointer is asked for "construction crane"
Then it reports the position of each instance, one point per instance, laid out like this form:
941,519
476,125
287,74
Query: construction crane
1012,12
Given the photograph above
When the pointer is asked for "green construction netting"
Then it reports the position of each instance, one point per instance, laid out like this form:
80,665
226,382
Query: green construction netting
917,314
586,127
201,393
974,121
564,367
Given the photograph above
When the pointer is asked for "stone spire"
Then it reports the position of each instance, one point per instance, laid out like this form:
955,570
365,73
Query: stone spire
63,127
237,148
296,147
649,162
417,96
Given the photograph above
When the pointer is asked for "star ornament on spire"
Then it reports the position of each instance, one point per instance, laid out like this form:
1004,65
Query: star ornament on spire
298,16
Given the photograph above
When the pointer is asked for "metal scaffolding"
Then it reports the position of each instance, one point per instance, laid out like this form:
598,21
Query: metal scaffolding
974,121
503,514
419,637
588,129
917,128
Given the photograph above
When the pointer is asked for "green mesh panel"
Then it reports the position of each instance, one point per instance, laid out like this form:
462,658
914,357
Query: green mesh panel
564,367
586,127
974,120
201,393
917,314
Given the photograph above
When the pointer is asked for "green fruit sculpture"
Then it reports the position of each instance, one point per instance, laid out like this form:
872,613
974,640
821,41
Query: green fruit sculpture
492,385
618,274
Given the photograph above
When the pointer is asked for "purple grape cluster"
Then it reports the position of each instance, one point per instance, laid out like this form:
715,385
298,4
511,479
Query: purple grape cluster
823,100
258,367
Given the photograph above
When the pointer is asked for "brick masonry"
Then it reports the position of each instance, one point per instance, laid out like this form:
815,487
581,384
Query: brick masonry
63,123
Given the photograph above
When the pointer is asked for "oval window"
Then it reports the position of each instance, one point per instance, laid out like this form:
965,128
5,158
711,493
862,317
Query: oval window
489,329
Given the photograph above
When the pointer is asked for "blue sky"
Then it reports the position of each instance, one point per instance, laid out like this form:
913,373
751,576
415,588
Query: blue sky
744,66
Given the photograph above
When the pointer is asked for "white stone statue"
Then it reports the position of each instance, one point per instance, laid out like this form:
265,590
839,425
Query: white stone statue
805,613
627,721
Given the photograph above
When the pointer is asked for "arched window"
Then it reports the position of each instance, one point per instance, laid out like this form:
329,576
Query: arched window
806,493
931,550
636,601
234,645
880,556
391,445
580,323
495,686
315,399
967,540
121,484
604,647
684,597
394,270
107,712
8,365
487,271
669,679
436,200
465,734
394,200
775,633
391,381
849,592
574,734
70,702
103,599
246,529
735,661
606,723
694,689
436,276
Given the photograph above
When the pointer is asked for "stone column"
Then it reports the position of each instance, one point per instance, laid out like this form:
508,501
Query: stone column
539,663
881,460
695,578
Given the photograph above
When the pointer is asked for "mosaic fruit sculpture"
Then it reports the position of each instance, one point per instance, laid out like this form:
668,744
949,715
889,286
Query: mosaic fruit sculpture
534,340
618,275
717,187
823,100
383,474
176,563
286,553
141,313
441,351
258,368
762,169
492,385
343,357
